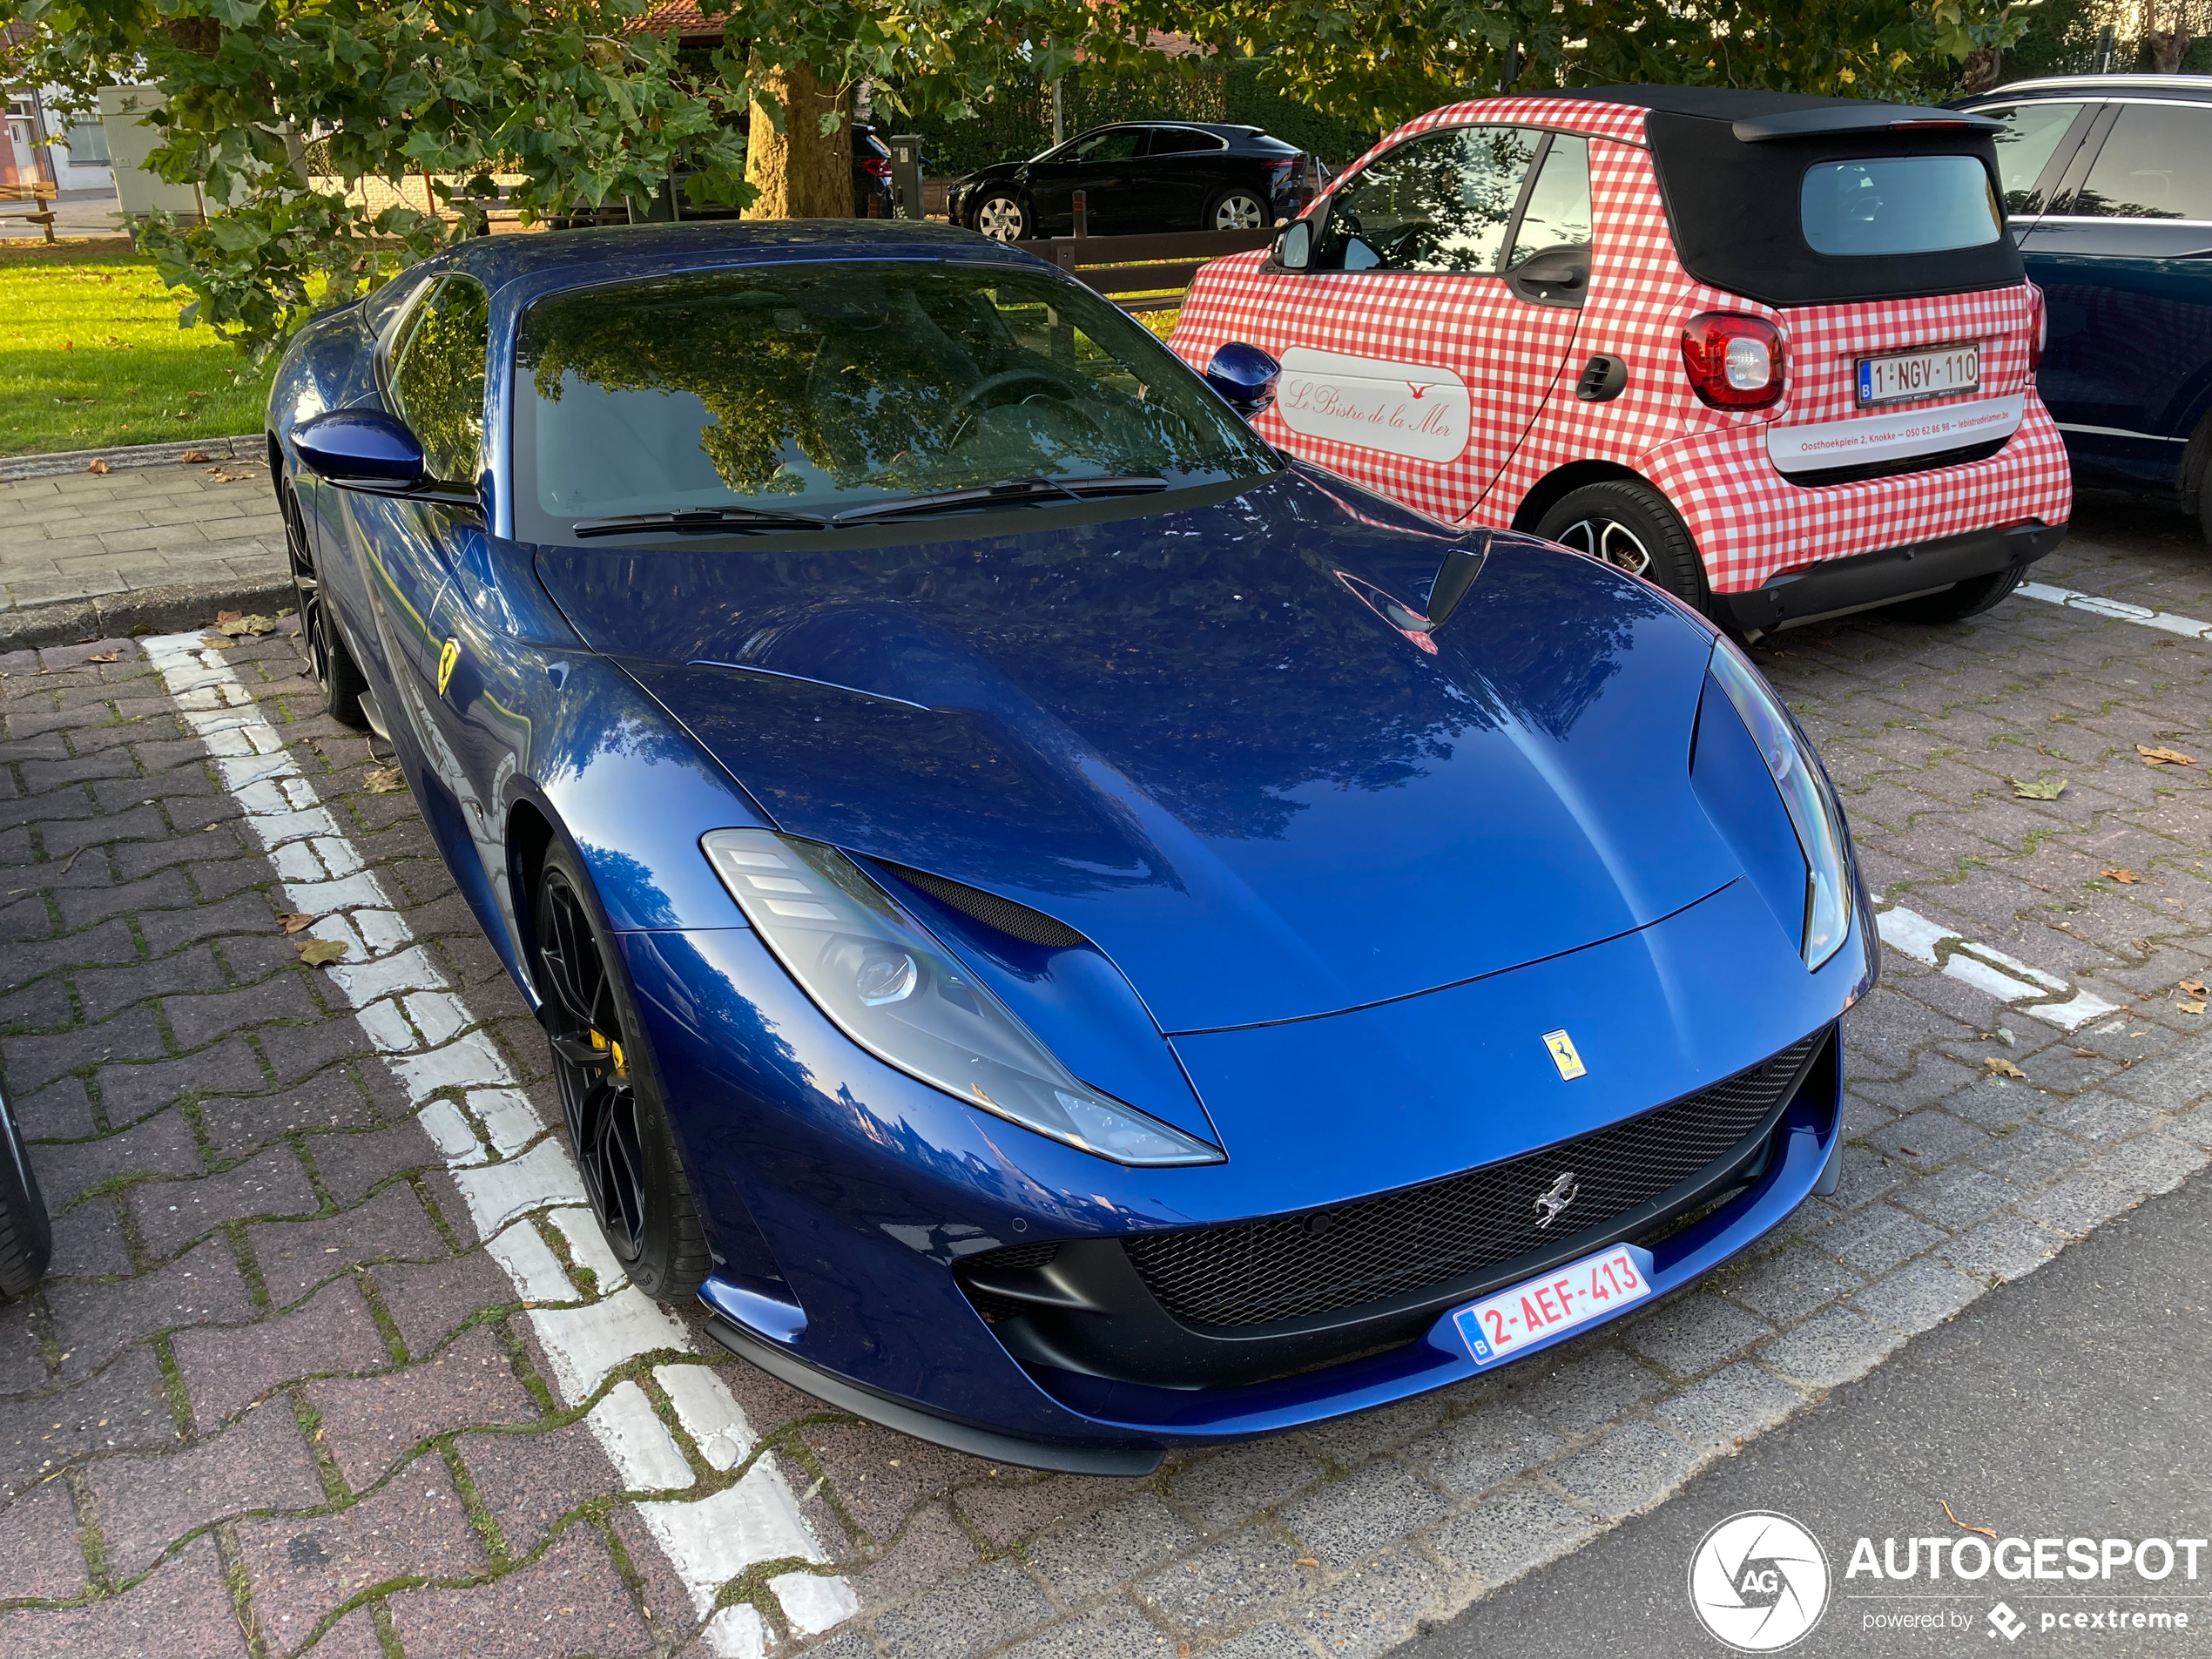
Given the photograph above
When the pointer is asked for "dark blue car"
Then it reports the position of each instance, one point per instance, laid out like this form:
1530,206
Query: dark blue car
2108,187
1070,933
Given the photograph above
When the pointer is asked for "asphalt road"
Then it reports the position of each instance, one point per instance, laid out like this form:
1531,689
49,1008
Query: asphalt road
2077,1401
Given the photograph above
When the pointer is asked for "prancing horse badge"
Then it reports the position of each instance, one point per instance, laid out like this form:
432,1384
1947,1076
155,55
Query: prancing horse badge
451,654
1563,1056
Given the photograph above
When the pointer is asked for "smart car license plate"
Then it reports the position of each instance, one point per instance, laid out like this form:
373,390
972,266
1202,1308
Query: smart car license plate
1909,375
1500,1326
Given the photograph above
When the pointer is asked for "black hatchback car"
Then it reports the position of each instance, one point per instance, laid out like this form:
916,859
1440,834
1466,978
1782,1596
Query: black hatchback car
1140,177
2107,185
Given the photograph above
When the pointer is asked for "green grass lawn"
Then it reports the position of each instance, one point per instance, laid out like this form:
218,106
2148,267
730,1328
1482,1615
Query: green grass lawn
91,356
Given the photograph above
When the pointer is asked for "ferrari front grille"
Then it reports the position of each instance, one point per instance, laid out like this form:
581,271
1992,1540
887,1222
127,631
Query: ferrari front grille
1375,1250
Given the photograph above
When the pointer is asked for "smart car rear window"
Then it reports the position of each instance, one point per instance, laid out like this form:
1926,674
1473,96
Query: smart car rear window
1899,205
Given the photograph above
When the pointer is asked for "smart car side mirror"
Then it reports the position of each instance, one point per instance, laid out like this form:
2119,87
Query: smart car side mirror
1294,247
1245,375
361,448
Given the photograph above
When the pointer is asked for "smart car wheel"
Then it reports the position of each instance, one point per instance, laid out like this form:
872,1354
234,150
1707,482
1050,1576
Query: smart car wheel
609,1095
1631,526
1002,217
1968,598
26,1236
335,669
1235,210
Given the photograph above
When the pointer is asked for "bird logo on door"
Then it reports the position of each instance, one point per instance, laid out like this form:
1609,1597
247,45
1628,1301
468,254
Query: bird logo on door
446,658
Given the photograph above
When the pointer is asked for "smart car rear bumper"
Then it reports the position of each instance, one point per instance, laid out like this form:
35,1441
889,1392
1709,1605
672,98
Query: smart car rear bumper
1864,580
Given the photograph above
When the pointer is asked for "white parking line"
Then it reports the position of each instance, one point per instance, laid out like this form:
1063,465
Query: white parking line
2119,609
1989,970
421,1027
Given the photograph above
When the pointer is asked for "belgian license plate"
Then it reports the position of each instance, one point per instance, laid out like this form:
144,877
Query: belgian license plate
1910,376
1501,1325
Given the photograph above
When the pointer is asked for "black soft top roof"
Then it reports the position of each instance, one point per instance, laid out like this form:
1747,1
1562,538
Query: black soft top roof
1731,165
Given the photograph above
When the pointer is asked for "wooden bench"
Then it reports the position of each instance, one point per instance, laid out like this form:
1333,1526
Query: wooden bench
1114,266
34,202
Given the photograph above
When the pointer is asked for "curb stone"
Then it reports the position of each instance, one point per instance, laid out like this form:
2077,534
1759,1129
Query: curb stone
140,610
242,446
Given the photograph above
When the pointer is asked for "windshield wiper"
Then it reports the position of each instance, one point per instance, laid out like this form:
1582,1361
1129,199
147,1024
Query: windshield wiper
700,521
1010,491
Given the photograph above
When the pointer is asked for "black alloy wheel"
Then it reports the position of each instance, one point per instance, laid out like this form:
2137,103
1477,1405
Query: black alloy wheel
26,1234
1631,526
337,676
608,1096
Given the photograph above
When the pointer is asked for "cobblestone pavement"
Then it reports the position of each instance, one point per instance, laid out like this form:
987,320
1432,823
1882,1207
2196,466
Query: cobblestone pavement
89,536
280,1394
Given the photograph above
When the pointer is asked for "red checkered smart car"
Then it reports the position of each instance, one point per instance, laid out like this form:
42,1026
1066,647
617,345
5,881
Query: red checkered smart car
1775,354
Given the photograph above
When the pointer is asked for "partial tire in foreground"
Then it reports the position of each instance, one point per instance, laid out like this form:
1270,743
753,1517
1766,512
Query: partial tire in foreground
1631,526
1956,604
609,1093
336,674
1235,210
26,1234
1001,217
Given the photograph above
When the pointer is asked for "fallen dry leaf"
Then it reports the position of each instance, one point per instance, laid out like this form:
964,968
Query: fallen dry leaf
2190,987
1967,1526
97,465
222,617
2190,1008
195,457
2003,1068
1306,1561
105,656
2085,1054
294,921
239,627
2126,878
217,642
223,477
384,780
320,953
2049,786
2154,756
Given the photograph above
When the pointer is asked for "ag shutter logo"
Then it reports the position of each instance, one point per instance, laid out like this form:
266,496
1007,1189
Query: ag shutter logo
1758,1582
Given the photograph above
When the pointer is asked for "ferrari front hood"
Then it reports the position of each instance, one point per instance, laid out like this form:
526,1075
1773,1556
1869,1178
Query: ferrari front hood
1195,736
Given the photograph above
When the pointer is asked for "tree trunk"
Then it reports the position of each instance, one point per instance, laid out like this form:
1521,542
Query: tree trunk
799,172
2169,46
1980,72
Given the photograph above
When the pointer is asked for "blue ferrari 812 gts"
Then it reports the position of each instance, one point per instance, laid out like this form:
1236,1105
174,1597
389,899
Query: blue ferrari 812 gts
1068,930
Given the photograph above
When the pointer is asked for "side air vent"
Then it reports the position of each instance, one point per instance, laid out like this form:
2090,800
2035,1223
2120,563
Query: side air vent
1015,920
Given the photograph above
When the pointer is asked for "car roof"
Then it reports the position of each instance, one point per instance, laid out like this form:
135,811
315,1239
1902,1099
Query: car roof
613,252
1711,102
2186,86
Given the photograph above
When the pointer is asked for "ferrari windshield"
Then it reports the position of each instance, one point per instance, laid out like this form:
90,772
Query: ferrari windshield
818,388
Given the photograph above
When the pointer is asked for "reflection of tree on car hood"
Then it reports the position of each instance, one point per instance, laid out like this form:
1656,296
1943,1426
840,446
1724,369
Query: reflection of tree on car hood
880,378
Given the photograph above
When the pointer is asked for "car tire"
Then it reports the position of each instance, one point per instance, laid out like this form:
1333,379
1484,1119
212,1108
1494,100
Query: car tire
611,1094
1632,528
1964,599
26,1233
1000,216
1235,210
337,676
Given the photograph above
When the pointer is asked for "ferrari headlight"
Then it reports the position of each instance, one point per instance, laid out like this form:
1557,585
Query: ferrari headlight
1806,796
886,982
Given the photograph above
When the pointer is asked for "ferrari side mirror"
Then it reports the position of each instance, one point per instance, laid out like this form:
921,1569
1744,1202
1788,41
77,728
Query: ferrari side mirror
360,446
1245,375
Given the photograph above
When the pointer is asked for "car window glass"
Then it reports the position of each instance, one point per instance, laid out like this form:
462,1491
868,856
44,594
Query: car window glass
438,381
1175,140
1440,203
1558,214
1892,205
1121,143
2031,134
2153,165
821,386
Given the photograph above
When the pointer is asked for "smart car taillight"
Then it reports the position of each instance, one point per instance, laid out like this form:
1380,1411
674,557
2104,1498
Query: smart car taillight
1735,362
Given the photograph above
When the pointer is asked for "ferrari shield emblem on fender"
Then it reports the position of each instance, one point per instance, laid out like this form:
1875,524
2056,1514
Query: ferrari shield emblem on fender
1563,1056
451,654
